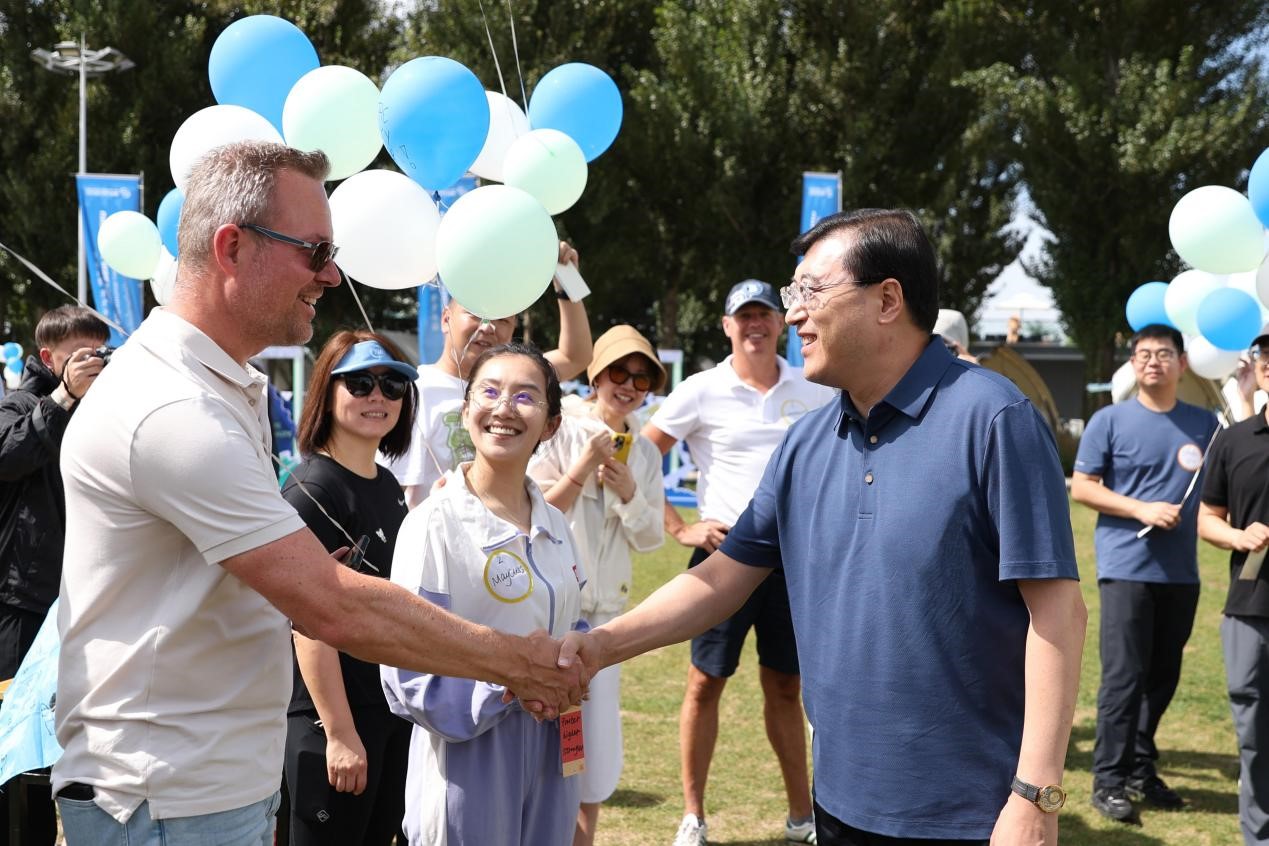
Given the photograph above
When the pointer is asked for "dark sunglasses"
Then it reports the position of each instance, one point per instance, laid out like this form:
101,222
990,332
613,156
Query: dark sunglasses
361,382
619,375
321,254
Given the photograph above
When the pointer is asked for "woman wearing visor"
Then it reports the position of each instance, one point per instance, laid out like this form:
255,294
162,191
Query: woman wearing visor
607,481
345,751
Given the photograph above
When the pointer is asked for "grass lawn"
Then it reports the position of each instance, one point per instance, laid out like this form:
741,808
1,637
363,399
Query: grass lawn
745,799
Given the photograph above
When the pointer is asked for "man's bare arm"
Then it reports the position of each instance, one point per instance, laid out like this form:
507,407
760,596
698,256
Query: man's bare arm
1055,644
377,621
573,355
685,606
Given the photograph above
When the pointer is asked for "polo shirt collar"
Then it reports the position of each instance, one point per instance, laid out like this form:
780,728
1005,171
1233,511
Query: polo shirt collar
786,373
168,328
913,392
487,529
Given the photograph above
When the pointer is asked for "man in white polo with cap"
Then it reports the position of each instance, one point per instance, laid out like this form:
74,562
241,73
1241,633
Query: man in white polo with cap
732,417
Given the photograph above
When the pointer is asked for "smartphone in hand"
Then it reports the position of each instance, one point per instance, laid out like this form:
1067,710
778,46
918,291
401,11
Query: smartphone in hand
621,442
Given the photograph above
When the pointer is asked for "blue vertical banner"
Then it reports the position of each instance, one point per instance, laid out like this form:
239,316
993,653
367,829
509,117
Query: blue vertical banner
114,295
821,196
432,298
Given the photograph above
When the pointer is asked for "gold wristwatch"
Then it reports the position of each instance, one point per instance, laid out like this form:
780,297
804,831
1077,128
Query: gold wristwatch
1048,799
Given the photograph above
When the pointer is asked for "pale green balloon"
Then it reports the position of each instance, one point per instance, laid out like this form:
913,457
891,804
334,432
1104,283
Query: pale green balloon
1215,228
1184,295
549,165
129,243
496,249
335,109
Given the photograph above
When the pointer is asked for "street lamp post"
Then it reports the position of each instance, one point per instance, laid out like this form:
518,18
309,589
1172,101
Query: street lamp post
72,57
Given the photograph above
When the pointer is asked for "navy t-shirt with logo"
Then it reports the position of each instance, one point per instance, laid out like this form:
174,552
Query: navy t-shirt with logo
1151,456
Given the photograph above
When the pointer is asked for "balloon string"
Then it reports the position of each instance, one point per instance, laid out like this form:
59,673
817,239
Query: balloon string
45,278
346,278
501,82
524,98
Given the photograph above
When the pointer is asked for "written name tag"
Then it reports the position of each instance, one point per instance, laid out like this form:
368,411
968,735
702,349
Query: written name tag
572,749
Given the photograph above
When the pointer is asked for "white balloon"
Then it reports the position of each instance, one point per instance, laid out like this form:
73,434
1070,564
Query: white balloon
214,127
385,225
548,165
163,277
506,123
1253,283
1215,228
1209,361
129,243
1262,283
1187,290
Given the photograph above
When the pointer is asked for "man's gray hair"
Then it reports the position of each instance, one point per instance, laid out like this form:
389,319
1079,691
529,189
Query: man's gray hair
234,184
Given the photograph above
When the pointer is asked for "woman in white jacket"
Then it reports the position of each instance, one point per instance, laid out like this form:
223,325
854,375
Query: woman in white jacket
607,481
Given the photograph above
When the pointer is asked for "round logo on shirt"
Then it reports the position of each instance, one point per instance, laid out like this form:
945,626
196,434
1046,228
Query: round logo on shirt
792,409
1190,457
507,578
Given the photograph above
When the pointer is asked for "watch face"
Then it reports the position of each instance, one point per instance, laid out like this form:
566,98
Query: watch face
1050,798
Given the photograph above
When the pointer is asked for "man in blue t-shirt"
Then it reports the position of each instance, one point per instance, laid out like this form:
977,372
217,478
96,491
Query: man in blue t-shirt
1137,466
922,527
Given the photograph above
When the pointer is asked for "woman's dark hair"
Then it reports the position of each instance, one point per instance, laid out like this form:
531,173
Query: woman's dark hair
553,392
315,422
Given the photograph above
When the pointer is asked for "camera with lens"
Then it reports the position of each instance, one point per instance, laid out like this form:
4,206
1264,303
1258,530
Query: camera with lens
103,352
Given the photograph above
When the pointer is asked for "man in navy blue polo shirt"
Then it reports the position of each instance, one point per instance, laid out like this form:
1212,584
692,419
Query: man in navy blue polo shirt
1136,466
922,526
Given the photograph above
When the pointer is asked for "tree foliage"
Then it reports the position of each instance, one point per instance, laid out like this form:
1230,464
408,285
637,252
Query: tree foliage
1105,111
1116,110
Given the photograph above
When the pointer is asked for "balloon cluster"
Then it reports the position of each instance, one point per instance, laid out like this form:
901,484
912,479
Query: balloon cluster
12,354
496,247
1221,303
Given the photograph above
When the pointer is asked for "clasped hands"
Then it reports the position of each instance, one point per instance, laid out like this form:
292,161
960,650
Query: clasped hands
557,675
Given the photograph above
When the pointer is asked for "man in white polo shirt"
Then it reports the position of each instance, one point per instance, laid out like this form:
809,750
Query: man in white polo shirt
732,418
183,563
439,441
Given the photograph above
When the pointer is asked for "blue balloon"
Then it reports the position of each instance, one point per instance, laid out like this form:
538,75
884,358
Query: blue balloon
434,117
1258,186
581,101
169,218
256,61
1229,318
10,351
14,366
1145,306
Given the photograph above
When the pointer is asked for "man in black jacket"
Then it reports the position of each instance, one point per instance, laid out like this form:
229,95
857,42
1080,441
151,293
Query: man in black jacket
32,510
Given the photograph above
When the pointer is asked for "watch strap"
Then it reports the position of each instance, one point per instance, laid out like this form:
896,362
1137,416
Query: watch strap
1027,791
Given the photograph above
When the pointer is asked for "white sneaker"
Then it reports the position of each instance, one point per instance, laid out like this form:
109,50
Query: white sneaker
691,832
800,833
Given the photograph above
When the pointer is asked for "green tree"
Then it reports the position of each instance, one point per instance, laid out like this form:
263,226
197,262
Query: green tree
132,115
1116,110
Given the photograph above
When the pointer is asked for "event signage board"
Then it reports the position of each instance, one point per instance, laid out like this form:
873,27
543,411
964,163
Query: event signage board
821,196
116,296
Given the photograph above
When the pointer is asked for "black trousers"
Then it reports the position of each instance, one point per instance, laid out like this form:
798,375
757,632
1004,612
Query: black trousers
17,632
320,816
1144,627
830,831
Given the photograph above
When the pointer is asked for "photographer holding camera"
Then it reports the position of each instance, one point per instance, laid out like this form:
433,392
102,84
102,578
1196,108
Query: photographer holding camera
33,418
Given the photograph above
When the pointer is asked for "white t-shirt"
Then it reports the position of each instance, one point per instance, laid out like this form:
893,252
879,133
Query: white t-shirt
439,442
731,430
174,675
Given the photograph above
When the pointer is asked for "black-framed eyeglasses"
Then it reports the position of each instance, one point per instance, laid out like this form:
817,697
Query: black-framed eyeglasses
321,253
361,382
1162,355
619,375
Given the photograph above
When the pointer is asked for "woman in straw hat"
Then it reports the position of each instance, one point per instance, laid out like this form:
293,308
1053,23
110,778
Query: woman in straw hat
607,481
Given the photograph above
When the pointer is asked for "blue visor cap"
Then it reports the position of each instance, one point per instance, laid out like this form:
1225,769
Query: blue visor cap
367,354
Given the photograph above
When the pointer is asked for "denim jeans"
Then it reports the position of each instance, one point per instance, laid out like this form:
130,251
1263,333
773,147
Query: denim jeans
85,824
